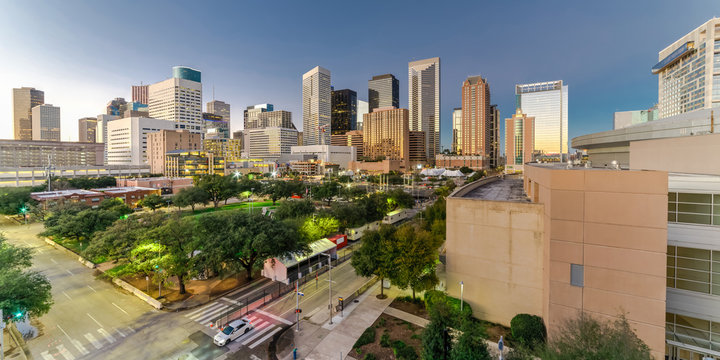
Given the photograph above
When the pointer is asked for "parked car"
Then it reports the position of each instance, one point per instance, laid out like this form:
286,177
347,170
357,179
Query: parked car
232,331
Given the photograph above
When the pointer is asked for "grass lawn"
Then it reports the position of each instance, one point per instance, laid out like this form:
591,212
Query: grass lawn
79,248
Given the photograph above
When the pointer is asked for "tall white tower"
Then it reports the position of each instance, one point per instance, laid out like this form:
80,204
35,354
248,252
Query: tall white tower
316,107
178,99
424,102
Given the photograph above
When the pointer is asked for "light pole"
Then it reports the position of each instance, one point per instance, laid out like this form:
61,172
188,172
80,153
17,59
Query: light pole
251,200
24,210
2,328
462,286
329,284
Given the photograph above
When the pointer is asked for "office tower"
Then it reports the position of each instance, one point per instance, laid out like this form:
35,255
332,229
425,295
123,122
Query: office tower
386,134
456,146
547,102
416,149
136,109
215,126
270,142
87,129
191,163
101,132
140,94
475,116
127,139
277,118
178,99
689,71
362,109
161,142
116,106
518,141
316,106
250,115
494,137
424,102
383,91
350,138
300,138
229,149
46,123
343,116
24,99
221,108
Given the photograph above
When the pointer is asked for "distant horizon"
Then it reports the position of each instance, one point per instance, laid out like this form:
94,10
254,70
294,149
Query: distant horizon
81,68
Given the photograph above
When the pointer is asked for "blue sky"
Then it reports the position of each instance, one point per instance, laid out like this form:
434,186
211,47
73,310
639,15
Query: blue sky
84,53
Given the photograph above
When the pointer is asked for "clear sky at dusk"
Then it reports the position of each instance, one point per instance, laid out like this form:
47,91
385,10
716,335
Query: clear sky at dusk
84,53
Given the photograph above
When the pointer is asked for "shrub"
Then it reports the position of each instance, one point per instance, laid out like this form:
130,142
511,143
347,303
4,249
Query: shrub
381,323
385,340
367,337
528,330
369,356
404,352
433,297
409,299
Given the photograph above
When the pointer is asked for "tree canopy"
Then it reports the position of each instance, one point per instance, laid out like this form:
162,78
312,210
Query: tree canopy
415,259
22,292
326,192
152,202
190,196
217,187
375,255
294,208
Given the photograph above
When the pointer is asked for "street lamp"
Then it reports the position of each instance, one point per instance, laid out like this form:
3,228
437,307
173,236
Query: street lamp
24,210
462,287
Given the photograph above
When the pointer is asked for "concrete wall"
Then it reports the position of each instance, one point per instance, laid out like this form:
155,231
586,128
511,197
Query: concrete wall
689,154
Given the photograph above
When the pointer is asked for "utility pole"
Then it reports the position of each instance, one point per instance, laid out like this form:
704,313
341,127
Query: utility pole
2,329
48,172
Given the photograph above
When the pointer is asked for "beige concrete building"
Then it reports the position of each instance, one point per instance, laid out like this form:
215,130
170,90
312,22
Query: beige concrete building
24,99
563,241
20,153
350,138
87,129
519,141
46,123
386,134
164,141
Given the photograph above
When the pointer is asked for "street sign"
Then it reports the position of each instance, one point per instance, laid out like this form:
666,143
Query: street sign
500,344
301,293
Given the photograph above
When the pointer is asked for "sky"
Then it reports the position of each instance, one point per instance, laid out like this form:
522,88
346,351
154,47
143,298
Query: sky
82,54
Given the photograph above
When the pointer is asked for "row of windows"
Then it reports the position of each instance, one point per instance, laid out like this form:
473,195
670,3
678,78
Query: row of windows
694,208
692,331
693,269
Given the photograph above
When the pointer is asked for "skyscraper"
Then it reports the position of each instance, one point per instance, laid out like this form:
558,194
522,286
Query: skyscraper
276,118
386,134
547,102
127,139
344,111
476,136
24,99
383,91
116,106
140,94
519,140
250,115
316,107
215,126
102,131
457,131
221,108
46,122
424,102
689,71
494,134
87,129
362,109
178,99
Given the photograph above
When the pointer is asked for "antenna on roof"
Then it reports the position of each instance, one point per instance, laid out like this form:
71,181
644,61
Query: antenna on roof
213,92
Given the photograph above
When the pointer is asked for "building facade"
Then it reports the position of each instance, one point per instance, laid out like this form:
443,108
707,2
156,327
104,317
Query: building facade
166,185
270,142
250,115
494,131
475,162
37,175
416,148
229,149
140,94
31,153
274,118
475,124
161,142
343,113
350,138
383,91
101,132
116,106
689,71
188,164
46,123
215,126
424,102
178,99
623,119
339,155
547,102
456,146
362,109
87,129
221,108
24,99
518,141
386,134
316,106
127,139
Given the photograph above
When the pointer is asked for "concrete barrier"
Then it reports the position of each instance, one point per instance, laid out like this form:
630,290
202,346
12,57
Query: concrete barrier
349,299
81,259
137,292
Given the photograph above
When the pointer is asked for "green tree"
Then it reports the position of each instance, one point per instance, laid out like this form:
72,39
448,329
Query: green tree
13,199
466,170
317,227
326,192
190,196
116,205
375,255
176,237
117,241
348,214
21,292
375,205
277,190
152,201
398,198
470,344
217,187
585,337
351,193
294,208
528,330
78,226
436,338
417,260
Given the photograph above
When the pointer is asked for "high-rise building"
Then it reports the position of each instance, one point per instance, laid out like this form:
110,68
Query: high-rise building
24,99
457,131
228,149
547,102
383,91
300,138
276,118
250,115
316,106
689,71
127,139
270,142
518,141
191,163
46,123
416,149
31,153
475,116
101,132
362,109
161,142
494,134
221,108
116,106
350,138
386,134
343,111
424,102
215,126
178,99
136,109
140,94
87,129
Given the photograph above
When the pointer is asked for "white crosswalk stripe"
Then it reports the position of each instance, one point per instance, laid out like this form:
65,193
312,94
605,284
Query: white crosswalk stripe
46,355
108,337
209,310
120,332
201,309
65,353
265,338
209,316
79,346
232,301
260,329
286,321
97,344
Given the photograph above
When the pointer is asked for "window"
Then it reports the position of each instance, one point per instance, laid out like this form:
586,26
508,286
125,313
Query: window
692,208
693,269
576,275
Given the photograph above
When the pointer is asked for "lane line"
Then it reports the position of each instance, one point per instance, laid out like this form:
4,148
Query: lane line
97,322
98,345
209,315
64,352
261,331
107,335
286,321
265,338
91,288
46,355
131,329
121,309
120,332
66,295
53,260
79,346
232,301
199,312
69,272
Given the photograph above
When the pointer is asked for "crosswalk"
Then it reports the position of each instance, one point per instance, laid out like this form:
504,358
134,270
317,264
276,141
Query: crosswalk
96,341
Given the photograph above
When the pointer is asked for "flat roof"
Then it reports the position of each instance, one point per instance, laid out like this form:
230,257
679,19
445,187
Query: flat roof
506,189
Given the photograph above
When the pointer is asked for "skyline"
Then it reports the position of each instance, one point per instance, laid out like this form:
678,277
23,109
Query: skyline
606,71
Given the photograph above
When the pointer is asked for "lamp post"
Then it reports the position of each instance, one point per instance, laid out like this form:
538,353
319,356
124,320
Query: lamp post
2,327
24,210
251,200
462,287
329,284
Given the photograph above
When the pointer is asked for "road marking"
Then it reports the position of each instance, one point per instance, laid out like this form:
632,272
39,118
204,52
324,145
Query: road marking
27,243
98,345
254,357
69,272
97,322
79,346
265,338
91,288
121,309
131,329
264,327
197,312
232,301
65,353
108,337
120,332
53,260
286,321
67,296
208,315
46,355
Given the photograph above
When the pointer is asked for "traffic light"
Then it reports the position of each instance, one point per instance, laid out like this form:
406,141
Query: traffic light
342,303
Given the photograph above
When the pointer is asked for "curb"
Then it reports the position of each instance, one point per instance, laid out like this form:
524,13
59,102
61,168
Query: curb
81,259
272,346
17,337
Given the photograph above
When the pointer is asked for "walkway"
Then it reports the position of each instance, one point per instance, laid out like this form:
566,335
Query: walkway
414,319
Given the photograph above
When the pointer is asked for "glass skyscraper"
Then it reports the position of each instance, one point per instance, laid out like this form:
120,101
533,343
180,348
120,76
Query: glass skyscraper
316,106
547,102
383,91
424,102
344,111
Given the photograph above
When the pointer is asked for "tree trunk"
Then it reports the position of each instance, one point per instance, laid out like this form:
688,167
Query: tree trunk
382,287
193,207
181,282
248,270
216,202
413,290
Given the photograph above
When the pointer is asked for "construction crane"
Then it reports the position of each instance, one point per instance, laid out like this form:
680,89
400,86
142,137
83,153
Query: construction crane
323,129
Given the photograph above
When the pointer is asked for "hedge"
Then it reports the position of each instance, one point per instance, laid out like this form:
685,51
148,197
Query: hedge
432,297
367,337
528,330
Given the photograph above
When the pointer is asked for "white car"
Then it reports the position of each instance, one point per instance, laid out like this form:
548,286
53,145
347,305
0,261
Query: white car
232,331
